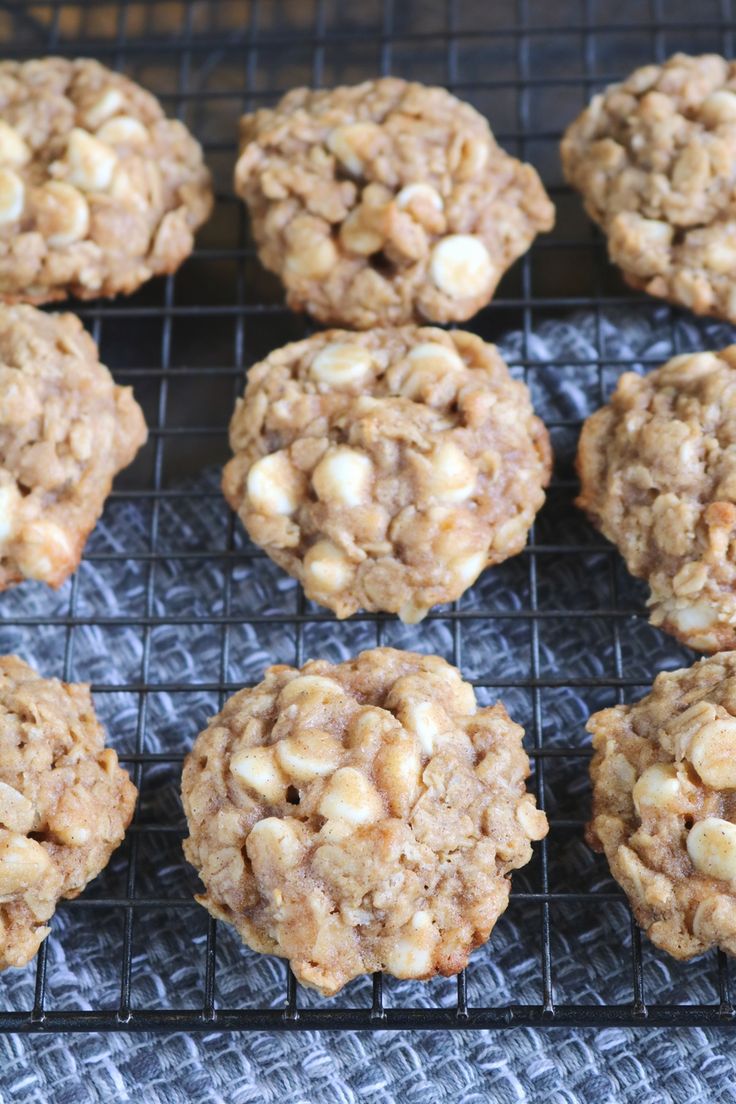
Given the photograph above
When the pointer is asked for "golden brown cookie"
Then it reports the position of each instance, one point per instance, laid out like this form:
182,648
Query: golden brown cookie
658,477
385,202
66,429
386,470
653,159
359,817
64,802
664,805
99,191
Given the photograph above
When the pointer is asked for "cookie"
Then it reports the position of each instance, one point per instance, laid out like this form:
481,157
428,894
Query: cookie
658,477
99,191
653,159
386,470
64,802
66,429
385,203
360,817
664,805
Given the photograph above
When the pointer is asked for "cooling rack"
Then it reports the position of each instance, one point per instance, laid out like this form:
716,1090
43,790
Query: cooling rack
184,343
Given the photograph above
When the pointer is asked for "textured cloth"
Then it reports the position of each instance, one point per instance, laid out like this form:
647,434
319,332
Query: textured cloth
590,943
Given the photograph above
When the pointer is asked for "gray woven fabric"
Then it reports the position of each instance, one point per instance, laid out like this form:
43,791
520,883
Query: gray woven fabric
591,946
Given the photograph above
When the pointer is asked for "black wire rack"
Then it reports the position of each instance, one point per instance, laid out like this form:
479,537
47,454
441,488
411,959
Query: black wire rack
184,343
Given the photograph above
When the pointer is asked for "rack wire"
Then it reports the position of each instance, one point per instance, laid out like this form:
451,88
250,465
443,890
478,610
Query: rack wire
184,344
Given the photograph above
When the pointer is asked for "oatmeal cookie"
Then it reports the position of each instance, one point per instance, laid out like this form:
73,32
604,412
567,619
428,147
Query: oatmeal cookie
653,158
66,430
658,477
664,805
385,202
98,190
359,817
64,802
386,470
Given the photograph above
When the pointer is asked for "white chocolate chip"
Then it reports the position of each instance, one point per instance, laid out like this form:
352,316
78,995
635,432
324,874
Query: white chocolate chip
720,256
274,485
257,768
453,474
343,475
424,720
310,754
340,365
23,862
350,796
62,213
312,686
658,787
348,141
711,845
9,503
123,130
108,103
73,835
428,374
421,193
368,728
398,769
326,568
719,107
467,568
276,841
45,550
312,259
699,615
712,752
12,196
91,162
81,440
13,150
16,811
461,266
431,354
412,955
655,233
473,158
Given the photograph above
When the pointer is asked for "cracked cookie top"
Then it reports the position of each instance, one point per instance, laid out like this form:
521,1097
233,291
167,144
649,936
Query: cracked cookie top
99,191
664,805
386,470
658,477
358,817
653,159
64,802
385,202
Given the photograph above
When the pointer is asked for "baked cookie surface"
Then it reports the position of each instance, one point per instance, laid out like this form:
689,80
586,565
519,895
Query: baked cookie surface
658,477
664,805
653,159
99,191
358,817
66,429
64,802
386,470
385,202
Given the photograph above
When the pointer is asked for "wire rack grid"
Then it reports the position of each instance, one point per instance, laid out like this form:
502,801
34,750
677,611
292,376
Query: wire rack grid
184,343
